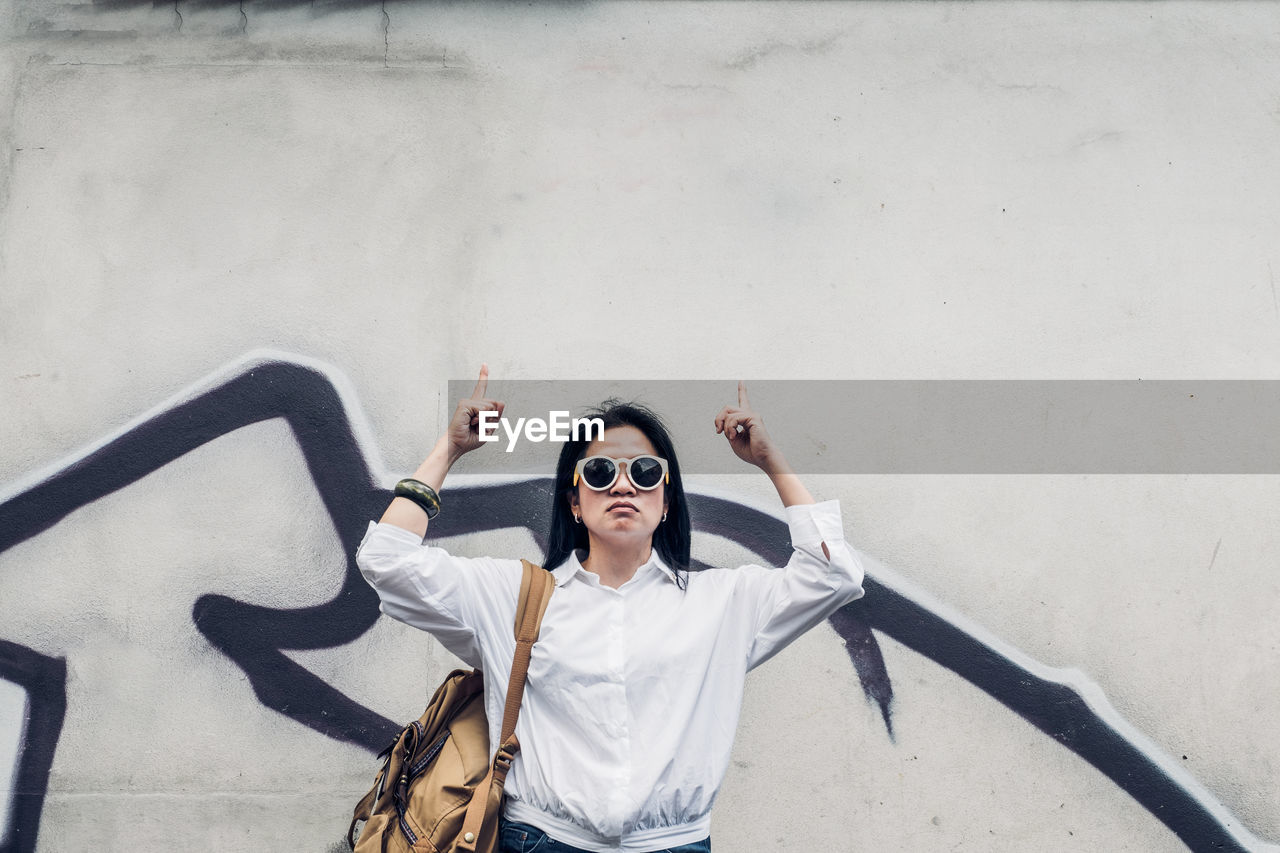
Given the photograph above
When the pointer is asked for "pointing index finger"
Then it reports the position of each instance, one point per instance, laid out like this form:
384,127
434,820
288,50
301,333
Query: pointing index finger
481,383
743,402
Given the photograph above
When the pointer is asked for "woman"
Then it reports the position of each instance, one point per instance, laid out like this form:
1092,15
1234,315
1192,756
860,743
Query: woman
635,683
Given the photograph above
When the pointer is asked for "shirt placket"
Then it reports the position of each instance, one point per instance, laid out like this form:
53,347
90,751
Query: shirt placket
619,729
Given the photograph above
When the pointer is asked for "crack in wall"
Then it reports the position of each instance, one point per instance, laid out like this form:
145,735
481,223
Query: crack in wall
386,34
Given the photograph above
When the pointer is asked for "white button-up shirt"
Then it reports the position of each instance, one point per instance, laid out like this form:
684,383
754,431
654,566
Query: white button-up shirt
633,693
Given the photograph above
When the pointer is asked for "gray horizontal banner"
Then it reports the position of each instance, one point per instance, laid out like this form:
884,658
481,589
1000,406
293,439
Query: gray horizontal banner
918,426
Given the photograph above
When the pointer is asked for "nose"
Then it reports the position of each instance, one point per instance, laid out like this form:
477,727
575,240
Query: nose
623,483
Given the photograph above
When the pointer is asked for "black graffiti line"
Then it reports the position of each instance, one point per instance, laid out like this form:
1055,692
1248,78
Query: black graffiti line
1070,709
255,637
311,406
45,681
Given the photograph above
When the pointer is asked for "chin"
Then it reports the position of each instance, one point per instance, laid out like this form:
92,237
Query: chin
629,526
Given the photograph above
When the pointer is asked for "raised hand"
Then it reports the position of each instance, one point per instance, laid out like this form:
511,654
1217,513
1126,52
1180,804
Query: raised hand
464,426
746,433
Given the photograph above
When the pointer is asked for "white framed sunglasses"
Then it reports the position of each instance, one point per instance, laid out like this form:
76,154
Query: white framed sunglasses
646,472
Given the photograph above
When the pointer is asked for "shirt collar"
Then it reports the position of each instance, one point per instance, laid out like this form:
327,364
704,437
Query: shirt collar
573,565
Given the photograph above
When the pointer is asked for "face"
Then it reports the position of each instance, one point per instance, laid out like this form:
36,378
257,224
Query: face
622,512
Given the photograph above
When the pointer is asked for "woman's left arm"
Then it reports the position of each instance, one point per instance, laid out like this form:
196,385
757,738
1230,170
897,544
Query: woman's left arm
824,572
752,443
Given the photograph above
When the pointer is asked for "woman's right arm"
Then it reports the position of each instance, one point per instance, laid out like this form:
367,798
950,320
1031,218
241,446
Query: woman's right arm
458,599
462,436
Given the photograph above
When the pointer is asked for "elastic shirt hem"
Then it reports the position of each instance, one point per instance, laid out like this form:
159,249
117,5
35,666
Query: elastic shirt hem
658,838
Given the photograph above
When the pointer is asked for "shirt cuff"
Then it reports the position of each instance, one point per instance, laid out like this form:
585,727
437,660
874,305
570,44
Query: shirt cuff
812,524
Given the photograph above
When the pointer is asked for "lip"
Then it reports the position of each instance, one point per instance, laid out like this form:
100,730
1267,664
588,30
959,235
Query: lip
622,505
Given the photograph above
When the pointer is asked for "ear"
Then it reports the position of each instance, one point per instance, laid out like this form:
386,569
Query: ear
573,501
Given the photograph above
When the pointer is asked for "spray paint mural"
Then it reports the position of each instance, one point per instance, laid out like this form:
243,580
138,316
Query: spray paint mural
328,426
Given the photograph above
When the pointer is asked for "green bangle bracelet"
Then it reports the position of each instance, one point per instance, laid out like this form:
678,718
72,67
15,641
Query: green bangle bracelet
421,494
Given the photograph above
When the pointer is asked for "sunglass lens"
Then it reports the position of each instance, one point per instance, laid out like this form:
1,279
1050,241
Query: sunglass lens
645,472
599,472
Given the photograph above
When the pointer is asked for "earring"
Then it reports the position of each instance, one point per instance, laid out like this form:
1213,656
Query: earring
577,519
664,515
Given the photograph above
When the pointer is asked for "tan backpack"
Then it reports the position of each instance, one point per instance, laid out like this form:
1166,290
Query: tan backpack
437,791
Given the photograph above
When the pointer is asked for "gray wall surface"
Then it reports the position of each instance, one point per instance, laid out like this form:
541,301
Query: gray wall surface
244,246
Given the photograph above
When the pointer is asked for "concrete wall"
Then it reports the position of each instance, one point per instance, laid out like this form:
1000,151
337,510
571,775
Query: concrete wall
385,195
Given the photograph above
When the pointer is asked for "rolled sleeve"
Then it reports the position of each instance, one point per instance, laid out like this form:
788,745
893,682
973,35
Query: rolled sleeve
462,601
811,586
812,524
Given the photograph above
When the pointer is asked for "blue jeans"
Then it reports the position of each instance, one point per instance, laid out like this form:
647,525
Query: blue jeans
524,838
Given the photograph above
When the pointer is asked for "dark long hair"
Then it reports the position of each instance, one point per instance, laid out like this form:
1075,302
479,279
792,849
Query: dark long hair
671,539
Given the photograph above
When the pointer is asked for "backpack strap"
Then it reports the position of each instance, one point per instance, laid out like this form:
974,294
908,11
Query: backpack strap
535,594
536,587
